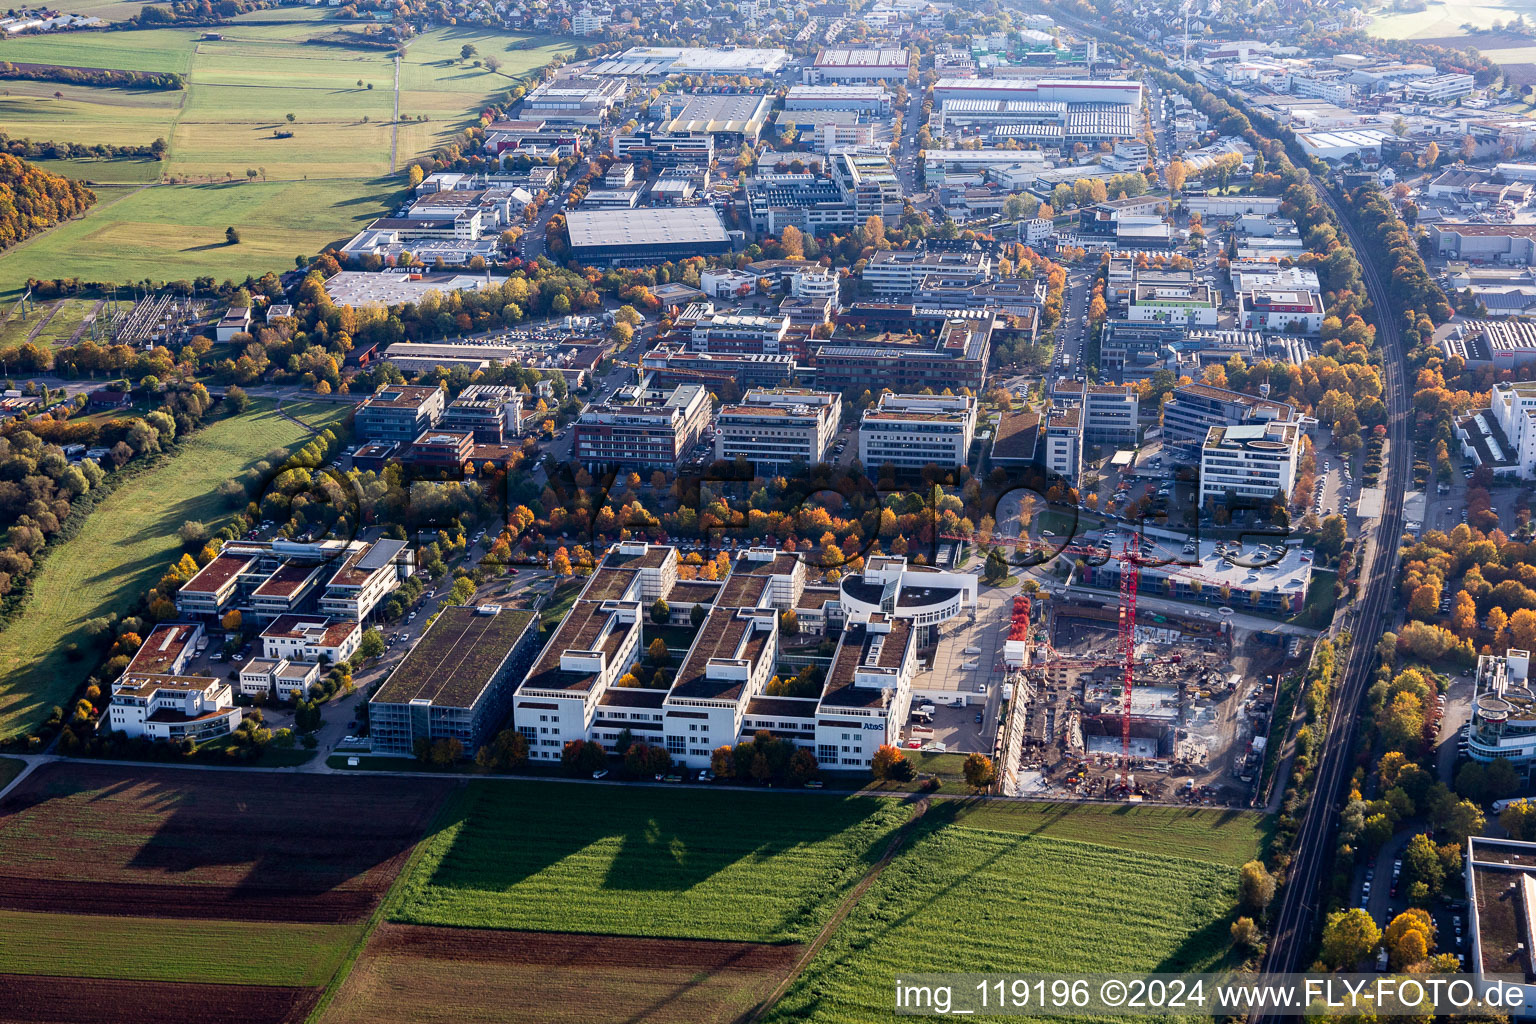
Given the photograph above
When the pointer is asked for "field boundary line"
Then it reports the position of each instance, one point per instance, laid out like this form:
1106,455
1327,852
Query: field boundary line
815,946
387,902
394,124
37,328
31,765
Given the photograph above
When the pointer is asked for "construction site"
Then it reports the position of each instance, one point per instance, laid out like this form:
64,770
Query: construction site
1164,708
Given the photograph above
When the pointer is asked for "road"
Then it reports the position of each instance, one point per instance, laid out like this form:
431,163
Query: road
531,245
1295,922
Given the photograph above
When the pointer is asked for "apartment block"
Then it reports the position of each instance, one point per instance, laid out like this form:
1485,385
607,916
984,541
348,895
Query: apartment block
1254,460
913,431
772,429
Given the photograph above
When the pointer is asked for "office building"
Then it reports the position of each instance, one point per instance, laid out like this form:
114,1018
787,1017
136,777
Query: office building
265,579
642,427
491,412
913,431
1063,436
173,708
1193,409
773,429
901,271
649,236
311,638
906,348
456,683
1292,310
857,99
665,151
740,332
1111,412
400,412
1439,88
1253,460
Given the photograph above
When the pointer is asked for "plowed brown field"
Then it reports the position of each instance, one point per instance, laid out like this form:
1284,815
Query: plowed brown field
39,999
156,842
418,975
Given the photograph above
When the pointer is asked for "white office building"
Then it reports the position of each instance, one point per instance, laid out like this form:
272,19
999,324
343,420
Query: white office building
1254,460
912,431
773,428
1503,711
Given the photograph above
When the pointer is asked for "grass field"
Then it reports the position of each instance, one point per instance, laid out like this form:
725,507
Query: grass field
225,952
172,232
68,317
703,865
960,899
10,767
1442,18
1222,837
126,546
338,170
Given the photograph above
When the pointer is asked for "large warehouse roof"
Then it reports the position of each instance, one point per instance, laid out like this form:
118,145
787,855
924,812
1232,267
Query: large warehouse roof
689,224
736,113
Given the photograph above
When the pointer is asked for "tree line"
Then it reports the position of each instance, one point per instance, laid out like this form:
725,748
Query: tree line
33,200
104,77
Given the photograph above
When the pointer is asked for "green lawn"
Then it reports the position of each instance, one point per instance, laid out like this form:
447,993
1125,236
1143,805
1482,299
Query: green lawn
1223,837
315,188
171,232
657,862
10,767
159,949
125,547
964,900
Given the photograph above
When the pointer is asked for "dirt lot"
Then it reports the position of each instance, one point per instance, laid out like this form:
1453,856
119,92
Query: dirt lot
47,1000
467,976
176,843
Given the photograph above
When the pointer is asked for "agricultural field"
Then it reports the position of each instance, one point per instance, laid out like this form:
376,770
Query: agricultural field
161,949
421,975
143,895
1222,837
646,862
961,899
1444,18
317,187
46,999
249,847
127,546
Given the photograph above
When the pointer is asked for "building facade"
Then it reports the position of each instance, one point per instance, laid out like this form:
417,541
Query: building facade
772,429
913,431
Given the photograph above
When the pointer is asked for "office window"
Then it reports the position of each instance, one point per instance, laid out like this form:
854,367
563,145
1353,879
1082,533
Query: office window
677,744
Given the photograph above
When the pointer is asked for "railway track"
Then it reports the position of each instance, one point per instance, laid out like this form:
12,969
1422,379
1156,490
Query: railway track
1301,899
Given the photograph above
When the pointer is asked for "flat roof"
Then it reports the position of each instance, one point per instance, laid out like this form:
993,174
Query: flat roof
456,659
726,633
587,623
856,650
161,648
662,226
213,576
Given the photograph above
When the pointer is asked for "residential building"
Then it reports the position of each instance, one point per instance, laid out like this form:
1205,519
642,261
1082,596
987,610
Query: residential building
456,682
174,708
1111,412
773,429
311,638
400,412
490,412
642,427
913,431
1193,409
1253,460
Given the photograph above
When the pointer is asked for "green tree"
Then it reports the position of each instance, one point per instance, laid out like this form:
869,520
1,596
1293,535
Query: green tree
231,236
1348,937
660,612
1421,863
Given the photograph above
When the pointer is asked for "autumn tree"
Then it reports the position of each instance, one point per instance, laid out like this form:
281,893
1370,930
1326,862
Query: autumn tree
1409,938
1255,887
1176,174
658,652
890,763
1348,937
792,242
979,773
